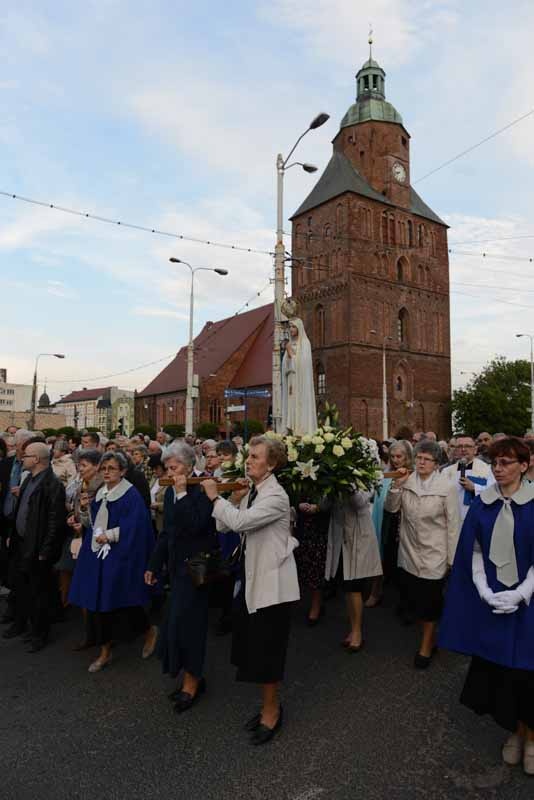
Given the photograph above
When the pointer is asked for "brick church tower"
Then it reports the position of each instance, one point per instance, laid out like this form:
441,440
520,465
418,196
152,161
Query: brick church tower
371,275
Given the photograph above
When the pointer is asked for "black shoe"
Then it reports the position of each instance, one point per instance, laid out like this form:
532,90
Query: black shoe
6,618
253,723
173,696
37,644
263,734
423,662
313,621
354,648
12,631
185,701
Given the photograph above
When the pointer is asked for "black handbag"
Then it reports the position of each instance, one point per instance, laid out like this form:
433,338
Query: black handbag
209,566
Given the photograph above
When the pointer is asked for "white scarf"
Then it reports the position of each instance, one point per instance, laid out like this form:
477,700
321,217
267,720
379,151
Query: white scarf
100,523
502,547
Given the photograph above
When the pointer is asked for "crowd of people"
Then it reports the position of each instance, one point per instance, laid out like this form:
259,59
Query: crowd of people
117,528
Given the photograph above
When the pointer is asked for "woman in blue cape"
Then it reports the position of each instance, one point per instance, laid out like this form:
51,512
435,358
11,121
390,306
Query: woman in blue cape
488,613
109,577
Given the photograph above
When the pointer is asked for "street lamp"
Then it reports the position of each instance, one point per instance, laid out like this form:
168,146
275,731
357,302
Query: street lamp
189,395
384,387
531,337
282,166
34,387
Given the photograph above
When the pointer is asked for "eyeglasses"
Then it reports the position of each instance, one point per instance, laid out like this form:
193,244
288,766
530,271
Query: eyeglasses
465,446
110,469
425,459
504,462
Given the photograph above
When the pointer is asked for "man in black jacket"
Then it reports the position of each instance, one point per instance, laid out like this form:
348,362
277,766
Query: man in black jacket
38,531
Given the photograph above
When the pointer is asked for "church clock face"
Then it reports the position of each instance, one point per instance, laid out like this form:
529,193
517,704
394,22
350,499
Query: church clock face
399,173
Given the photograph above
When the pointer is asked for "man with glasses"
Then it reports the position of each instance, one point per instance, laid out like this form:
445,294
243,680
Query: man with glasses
37,538
470,474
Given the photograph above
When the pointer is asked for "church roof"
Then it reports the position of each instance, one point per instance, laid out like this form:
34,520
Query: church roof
371,108
341,176
214,345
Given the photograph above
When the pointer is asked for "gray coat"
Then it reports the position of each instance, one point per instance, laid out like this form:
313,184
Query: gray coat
352,534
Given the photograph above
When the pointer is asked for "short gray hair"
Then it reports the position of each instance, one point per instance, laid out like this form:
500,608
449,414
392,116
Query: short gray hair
117,456
407,449
140,448
430,448
181,451
22,435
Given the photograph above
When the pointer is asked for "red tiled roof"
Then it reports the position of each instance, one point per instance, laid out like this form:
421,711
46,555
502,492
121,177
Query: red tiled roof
257,368
85,394
214,345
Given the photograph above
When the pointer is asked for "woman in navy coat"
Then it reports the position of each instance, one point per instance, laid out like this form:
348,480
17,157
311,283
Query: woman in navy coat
109,578
188,529
488,613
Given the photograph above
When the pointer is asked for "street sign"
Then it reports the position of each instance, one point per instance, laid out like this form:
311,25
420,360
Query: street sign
247,393
235,408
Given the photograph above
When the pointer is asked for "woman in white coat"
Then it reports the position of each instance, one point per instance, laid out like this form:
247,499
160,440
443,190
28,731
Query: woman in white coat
267,584
352,539
428,535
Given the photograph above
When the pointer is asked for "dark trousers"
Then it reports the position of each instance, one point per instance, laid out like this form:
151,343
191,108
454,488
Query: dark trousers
35,594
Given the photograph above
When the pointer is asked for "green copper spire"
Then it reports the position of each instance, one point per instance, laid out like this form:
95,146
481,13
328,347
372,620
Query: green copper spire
371,101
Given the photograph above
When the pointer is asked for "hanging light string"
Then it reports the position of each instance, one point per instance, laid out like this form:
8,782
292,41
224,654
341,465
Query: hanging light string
133,226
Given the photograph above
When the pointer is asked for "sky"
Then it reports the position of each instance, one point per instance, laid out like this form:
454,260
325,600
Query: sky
169,115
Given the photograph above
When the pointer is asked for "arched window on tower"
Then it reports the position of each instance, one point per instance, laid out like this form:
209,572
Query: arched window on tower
385,237
410,233
339,219
319,326
391,229
402,327
403,269
321,380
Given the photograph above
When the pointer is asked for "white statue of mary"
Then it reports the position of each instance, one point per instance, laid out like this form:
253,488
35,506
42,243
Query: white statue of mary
298,390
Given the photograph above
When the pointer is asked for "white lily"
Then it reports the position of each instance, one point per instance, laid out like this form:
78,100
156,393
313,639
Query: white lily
307,469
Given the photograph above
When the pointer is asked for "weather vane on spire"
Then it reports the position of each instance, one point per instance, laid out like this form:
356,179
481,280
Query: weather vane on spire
370,40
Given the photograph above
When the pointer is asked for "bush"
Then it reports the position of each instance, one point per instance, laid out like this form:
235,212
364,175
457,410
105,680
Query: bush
175,431
50,432
254,427
207,430
68,430
145,430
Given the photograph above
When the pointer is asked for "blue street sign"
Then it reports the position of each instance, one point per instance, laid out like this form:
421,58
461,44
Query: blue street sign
247,393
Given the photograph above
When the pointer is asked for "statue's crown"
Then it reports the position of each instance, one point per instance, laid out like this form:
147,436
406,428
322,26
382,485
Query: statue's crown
290,308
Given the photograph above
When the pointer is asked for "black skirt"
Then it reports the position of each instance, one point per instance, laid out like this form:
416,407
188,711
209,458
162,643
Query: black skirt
183,634
259,640
504,693
421,598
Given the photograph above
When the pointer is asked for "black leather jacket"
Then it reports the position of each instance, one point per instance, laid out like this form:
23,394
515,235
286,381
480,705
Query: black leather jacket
46,522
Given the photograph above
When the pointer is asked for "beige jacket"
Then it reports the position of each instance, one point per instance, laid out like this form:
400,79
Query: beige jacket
429,525
270,569
352,534
64,468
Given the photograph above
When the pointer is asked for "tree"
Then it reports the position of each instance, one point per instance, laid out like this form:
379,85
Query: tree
68,430
174,431
207,430
145,430
254,427
498,399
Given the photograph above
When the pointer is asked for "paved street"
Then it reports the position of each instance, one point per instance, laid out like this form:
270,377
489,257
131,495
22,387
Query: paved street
360,726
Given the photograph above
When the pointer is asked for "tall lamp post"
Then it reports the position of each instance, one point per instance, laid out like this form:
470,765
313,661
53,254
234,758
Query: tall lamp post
282,166
34,387
190,350
385,433
531,337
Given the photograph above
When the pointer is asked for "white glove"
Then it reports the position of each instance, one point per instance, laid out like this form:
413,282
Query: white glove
480,580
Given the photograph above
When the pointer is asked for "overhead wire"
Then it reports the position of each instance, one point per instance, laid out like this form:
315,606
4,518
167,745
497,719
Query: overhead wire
133,226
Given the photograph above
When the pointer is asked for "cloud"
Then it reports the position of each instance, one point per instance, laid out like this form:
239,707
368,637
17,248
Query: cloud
336,29
149,311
